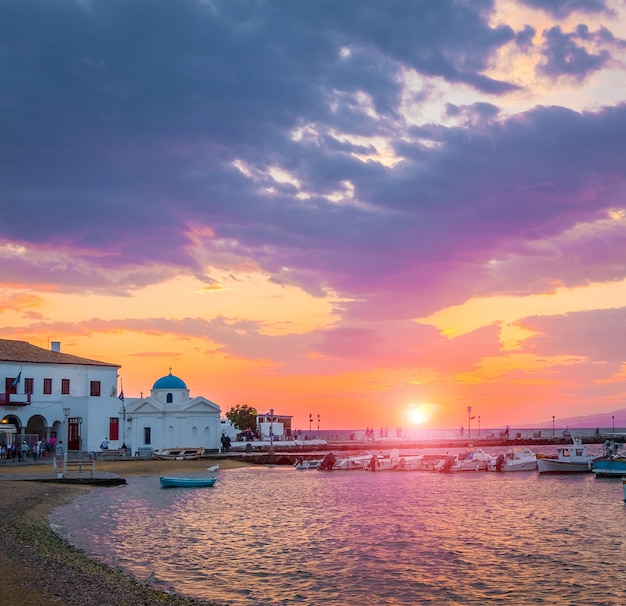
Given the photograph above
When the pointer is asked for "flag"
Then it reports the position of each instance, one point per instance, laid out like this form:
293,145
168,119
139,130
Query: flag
121,396
16,381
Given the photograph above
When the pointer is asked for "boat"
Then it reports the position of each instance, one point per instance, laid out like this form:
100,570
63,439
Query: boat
569,459
302,463
350,463
612,464
468,459
174,482
518,458
615,467
425,462
177,454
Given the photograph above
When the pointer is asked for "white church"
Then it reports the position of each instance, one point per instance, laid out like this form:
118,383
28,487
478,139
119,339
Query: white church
51,395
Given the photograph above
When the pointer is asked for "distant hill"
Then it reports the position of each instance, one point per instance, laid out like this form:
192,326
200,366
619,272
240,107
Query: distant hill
603,420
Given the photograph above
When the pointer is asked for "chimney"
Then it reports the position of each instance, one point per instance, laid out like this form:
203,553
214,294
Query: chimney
55,346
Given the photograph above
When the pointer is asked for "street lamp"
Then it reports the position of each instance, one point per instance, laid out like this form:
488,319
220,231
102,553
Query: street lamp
469,423
552,425
80,434
66,413
613,420
479,426
310,423
318,427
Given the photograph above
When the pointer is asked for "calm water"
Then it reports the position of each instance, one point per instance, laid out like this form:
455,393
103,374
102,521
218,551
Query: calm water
276,535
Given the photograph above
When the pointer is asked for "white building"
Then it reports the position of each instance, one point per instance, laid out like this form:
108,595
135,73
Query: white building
170,418
49,394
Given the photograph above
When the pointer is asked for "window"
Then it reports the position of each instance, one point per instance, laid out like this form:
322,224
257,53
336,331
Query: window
146,436
8,385
47,386
114,428
170,398
94,388
65,387
29,385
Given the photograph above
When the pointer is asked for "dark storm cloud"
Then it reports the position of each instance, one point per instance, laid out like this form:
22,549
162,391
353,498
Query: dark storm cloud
563,8
563,57
124,123
116,114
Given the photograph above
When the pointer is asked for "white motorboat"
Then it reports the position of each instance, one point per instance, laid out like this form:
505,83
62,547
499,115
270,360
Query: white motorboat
302,463
569,459
349,463
468,459
418,463
518,458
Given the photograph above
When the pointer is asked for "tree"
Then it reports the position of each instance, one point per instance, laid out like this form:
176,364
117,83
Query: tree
242,417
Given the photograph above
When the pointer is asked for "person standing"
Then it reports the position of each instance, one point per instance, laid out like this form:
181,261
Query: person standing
59,450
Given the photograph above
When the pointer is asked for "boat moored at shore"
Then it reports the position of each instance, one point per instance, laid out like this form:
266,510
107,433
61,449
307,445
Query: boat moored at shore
178,454
175,482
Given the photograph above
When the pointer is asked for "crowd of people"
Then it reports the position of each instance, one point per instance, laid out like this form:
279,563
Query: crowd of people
20,451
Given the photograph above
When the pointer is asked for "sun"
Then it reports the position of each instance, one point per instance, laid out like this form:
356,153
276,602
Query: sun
416,416
419,414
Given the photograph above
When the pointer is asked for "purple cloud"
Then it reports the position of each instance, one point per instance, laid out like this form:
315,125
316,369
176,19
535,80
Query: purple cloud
563,57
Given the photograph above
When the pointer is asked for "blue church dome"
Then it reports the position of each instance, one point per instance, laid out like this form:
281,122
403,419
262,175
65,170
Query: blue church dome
169,382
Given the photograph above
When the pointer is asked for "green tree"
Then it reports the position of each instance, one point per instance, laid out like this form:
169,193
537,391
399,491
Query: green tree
242,417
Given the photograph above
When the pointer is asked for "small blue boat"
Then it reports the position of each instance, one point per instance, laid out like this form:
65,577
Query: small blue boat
613,463
610,467
172,482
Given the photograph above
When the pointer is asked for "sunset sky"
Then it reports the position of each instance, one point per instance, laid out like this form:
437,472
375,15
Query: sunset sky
358,209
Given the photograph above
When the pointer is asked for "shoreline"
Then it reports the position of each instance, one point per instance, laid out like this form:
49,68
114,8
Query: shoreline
39,567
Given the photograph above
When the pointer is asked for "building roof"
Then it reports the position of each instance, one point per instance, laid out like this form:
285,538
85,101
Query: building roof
169,382
21,351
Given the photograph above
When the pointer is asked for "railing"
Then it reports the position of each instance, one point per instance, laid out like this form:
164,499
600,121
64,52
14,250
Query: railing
15,399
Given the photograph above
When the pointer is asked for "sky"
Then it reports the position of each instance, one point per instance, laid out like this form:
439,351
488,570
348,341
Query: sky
381,212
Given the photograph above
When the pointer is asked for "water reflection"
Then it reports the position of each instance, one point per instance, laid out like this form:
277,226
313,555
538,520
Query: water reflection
277,535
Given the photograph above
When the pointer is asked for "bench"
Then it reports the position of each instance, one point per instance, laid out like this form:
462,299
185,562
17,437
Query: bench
113,453
59,465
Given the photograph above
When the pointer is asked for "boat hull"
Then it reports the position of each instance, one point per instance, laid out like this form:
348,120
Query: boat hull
610,467
172,482
178,454
555,466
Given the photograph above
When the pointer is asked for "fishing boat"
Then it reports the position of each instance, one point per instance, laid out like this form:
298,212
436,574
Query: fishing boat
518,458
177,454
569,459
173,482
612,464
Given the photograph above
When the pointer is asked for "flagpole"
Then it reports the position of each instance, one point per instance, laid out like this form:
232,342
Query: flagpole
121,397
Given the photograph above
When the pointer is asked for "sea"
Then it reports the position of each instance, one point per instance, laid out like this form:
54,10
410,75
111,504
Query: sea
280,536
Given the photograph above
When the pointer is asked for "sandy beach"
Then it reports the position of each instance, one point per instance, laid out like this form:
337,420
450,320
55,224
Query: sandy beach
39,568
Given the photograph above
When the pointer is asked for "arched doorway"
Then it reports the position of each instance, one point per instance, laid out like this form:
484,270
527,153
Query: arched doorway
37,426
12,420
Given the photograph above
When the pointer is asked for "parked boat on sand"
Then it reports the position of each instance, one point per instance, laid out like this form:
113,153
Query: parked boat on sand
178,454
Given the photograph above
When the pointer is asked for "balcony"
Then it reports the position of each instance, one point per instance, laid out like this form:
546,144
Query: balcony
15,399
